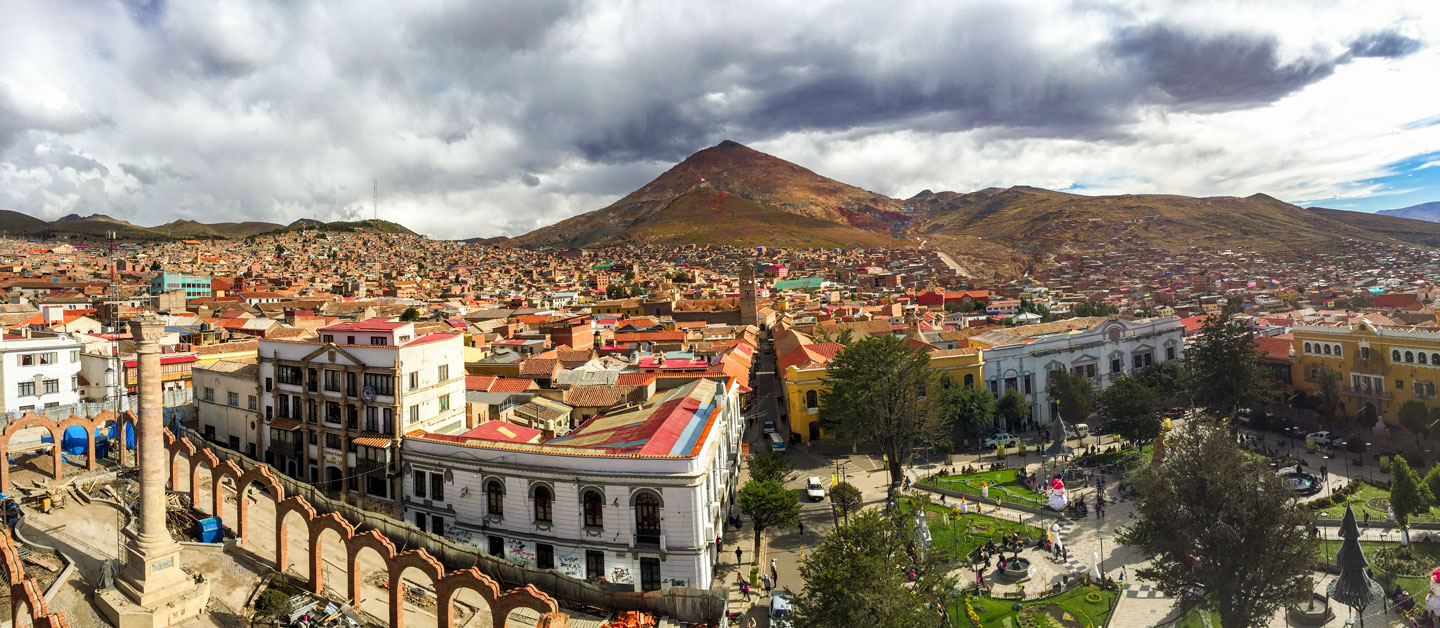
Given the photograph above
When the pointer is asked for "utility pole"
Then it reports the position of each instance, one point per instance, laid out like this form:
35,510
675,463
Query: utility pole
375,200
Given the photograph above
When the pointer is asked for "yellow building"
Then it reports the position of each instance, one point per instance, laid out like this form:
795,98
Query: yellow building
625,307
1381,366
801,364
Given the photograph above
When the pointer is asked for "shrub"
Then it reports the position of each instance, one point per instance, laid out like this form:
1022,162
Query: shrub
271,602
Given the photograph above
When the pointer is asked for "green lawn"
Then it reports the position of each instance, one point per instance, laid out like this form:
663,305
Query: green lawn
957,537
1194,619
1004,485
1418,584
1360,501
998,613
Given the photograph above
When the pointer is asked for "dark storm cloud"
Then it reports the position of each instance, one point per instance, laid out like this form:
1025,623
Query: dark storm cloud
277,110
1237,69
1388,44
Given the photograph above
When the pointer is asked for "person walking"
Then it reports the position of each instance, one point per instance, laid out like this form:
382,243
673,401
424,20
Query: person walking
737,556
745,588
774,573
802,528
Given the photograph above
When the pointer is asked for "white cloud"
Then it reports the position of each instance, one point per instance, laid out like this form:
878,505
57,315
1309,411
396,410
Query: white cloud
480,119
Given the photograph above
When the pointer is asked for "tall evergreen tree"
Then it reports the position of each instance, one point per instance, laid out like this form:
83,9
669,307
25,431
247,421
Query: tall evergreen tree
1408,496
1131,410
1224,370
962,409
1012,410
1329,382
1219,522
768,504
1074,393
875,393
852,579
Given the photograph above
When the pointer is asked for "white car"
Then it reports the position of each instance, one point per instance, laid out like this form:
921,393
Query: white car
1001,438
769,427
1320,438
814,490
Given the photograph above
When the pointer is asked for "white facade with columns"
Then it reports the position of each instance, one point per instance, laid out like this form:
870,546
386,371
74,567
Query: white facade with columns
1111,347
693,492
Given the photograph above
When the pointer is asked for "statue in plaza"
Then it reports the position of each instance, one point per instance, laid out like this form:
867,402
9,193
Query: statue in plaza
1432,599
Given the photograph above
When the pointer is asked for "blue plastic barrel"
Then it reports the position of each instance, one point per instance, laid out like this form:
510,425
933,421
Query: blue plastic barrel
209,530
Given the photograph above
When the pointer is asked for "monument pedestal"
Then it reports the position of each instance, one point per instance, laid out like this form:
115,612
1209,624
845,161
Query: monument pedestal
152,590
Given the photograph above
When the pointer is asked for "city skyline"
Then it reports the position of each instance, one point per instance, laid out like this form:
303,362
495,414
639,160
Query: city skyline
497,119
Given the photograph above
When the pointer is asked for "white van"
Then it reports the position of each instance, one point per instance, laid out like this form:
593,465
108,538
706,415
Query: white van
1082,430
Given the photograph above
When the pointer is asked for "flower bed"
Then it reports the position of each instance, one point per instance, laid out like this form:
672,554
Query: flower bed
1071,609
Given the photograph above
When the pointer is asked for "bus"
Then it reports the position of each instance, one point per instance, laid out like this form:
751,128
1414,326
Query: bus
776,442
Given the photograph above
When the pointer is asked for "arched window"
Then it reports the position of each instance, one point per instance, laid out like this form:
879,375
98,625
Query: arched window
594,509
1421,357
647,518
1307,348
1327,349
1435,359
495,498
1394,356
1339,349
812,399
1409,357
543,500
969,380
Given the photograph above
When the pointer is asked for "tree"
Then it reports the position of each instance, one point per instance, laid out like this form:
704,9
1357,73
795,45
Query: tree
1408,496
874,396
1432,480
1074,393
410,315
846,498
1224,369
771,465
1012,410
1414,417
768,504
1247,546
851,579
1167,381
1329,409
616,291
1131,410
1089,308
961,409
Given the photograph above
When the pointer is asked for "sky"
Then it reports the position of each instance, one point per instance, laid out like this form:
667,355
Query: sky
494,118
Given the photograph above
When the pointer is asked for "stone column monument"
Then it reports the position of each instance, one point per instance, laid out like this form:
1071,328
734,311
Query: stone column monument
152,591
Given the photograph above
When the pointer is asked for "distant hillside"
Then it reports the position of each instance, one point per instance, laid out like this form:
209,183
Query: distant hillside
1424,211
730,194
775,193
100,226
1411,230
371,226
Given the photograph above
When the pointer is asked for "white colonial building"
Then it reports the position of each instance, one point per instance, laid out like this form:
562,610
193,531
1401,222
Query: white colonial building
1100,348
336,409
227,394
40,370
634,497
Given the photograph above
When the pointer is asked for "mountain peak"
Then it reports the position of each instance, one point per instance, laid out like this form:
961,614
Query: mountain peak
730,144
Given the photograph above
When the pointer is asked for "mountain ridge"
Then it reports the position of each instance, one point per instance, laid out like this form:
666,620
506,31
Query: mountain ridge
1429,212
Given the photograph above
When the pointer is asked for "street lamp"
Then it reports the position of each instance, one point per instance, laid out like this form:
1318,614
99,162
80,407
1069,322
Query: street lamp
1100,534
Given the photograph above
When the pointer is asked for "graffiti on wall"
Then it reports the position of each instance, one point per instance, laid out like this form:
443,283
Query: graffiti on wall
462,537
516,552
570,566
621,575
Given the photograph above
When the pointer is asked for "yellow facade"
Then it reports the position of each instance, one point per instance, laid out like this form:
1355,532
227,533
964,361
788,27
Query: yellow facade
1380,367
803,407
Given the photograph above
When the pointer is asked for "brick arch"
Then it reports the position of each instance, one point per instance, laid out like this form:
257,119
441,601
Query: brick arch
283,508
457,581
177,447
207,458
28,594
373,540
256,475
524,597
27,420
224,469
421,560
318,525
13,565
90,428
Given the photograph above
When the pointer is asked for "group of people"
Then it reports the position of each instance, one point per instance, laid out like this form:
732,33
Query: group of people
769,580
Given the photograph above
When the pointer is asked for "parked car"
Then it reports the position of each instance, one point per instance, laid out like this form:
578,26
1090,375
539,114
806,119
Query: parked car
814,489
1320,438
781,605
1001,438
769,427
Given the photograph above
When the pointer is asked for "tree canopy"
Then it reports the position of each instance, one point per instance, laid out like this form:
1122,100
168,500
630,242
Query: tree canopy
1224,369
1216,521
771,465
874,396
1012,410
1329,409
410,315
1414,417
847,499
852,579
1131,409
1074,394
1408,495
768,504
962,410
